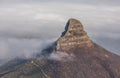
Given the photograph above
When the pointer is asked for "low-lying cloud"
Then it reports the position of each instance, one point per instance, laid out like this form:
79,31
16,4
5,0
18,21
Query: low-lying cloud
61,56
25,48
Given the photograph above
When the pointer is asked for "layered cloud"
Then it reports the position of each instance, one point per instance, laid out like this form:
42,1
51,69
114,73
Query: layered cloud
93,2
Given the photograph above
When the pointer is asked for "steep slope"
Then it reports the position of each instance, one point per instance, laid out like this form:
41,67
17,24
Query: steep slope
74,35
73,55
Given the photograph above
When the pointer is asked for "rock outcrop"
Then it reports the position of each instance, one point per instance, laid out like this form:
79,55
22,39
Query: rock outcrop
74,35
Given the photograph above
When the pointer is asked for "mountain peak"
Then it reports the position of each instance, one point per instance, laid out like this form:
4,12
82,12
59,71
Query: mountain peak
63,59
74,35
72,24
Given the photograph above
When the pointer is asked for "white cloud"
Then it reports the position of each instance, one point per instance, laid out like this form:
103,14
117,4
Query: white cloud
4,50
61,56
12,47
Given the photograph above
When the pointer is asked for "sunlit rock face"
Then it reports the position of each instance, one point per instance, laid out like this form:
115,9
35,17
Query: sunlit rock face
74,35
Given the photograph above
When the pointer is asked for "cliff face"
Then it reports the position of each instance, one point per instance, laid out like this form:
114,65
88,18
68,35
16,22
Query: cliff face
74,55
74,35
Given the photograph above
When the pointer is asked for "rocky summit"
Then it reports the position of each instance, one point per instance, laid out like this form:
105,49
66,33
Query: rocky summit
74,35
73,55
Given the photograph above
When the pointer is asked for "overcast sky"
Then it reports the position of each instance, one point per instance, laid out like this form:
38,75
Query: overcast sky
26,26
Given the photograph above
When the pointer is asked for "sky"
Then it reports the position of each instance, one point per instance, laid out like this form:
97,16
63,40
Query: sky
27,26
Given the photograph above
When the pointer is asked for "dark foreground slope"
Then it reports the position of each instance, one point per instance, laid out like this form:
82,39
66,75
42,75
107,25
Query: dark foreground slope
73,55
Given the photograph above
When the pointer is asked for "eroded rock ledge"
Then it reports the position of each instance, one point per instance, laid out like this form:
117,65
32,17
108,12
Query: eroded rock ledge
74,35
